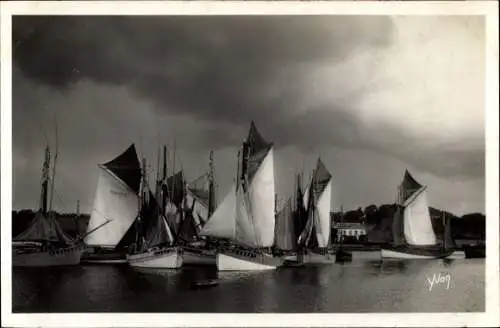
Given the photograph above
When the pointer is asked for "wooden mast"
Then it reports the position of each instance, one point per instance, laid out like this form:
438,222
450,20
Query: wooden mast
211,187
53,168
45,181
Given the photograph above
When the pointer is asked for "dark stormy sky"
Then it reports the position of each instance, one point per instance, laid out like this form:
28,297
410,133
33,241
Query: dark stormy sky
370,95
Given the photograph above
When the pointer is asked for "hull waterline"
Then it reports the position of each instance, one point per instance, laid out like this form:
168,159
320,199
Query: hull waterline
107,257
165,258
60,257
247,261
316,258
199,257
414,253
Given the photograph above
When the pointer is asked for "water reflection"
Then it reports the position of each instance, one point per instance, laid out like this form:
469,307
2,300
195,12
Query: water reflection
368,286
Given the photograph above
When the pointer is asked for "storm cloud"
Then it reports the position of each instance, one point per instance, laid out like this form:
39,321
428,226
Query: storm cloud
386,92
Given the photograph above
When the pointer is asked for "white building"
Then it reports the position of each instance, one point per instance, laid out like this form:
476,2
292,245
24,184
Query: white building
350,229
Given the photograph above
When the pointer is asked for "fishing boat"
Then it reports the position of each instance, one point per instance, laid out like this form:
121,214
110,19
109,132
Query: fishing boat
449,242
155,245
314,240
199,206
110,230
290,222
44,243
246,215
204,283
475,251
413,235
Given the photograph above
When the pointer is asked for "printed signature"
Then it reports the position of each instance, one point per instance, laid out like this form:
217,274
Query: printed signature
439,279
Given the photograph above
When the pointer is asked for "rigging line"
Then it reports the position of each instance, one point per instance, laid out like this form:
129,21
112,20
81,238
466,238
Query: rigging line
40,125
61,179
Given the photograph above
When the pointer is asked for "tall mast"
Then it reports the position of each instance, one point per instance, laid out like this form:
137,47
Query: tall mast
158,181
77,216
173,173
164,181
211,187
144,181
45,181
341,224
54,168
237,180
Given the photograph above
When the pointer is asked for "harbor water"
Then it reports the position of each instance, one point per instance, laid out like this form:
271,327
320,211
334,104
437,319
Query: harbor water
364,285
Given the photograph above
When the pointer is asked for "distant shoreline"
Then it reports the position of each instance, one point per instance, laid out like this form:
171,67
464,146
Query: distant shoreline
376,220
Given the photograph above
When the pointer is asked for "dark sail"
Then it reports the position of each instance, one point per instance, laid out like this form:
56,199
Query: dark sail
152,228
127,168
320,178
175,188
44,229
255,149
188,231
285,237
128,238
305,235
319,181
300,213
408,187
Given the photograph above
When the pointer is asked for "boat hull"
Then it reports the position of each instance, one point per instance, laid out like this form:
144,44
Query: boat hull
245,261
163,258
415,253
199,257
316,258
475,251
104,258
61,257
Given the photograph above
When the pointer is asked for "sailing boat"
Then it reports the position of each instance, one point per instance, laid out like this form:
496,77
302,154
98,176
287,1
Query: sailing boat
198,207
44,243
314,240
246,216
290,222
155,244
448,242
413,236
110,230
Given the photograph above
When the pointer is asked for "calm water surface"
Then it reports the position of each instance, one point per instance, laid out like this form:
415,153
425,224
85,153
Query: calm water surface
360,286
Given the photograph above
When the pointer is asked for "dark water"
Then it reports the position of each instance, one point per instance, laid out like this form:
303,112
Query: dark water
360,286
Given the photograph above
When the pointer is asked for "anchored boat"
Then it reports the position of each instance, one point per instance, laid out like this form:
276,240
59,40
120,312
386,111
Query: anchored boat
413,235
155,245
44,243
109,231
199,206
314,240
246,216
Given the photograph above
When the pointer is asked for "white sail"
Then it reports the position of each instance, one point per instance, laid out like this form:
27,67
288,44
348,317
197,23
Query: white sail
222,222
322,220
417,221
306,197
246,232
261,197
114,202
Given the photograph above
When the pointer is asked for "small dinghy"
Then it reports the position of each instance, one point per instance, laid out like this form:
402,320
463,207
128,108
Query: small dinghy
204,283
